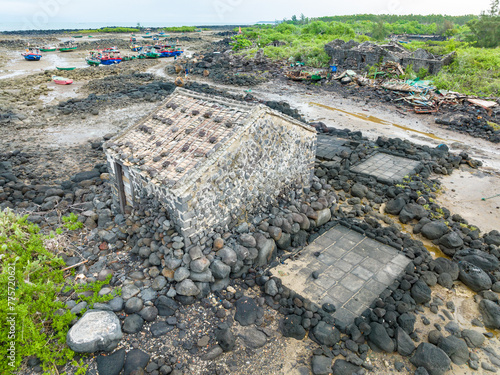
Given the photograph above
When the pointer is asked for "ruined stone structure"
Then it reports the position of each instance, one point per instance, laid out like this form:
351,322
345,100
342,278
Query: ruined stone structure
352,55
210,161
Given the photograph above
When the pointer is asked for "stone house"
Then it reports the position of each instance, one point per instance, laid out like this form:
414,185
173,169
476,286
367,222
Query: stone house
210,161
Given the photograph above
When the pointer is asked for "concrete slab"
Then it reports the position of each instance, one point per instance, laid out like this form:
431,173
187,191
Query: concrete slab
353,271
387,168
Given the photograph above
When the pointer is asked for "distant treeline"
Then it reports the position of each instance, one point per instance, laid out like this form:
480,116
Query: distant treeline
393,18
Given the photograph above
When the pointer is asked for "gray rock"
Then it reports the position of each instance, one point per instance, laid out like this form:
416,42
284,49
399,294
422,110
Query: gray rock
212,354
166,306
267,252
324,217
490,312
271,288
474,339
133,305
96,330
195,252
395,206
149,313
181,273
487,262
228,256
111,364
412,211
321,365
133,323
247,240
136,360
220,270
451,240
455,348
359,190
253,338
430,357
226,339
187,288
342,367
379,337
199,265
407,322
159,282
116,304
79,307
474,277
160,329
247,311
405,345
420,292
203,277
434,230
129,291
443,265
326,334
291,327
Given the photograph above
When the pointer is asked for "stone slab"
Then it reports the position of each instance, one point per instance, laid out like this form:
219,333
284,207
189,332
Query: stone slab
353,271
386,167
330,148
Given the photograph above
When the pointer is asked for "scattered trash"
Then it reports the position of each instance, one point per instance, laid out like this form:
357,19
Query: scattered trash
497,195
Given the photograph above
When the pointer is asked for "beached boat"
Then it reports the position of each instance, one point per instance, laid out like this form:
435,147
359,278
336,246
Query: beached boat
150,53
136,48
110,57
48,49
77,36
93,58
67,47
69,68
32,54
62,80
147,36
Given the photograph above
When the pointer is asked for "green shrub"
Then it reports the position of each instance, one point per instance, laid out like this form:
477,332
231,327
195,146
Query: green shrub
71,222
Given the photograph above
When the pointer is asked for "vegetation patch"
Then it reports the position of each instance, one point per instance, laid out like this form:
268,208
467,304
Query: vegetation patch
34,285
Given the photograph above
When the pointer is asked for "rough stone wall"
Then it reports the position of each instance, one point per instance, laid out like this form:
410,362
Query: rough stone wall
270,158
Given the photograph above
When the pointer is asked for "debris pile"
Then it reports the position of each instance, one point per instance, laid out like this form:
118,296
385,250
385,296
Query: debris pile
352,55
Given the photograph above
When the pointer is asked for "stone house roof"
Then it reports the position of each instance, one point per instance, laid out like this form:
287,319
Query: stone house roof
180,137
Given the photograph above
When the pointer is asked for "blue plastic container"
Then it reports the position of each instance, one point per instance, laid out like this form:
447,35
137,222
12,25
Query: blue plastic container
333,68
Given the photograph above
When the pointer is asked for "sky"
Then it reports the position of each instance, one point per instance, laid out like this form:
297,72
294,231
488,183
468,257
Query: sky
165,12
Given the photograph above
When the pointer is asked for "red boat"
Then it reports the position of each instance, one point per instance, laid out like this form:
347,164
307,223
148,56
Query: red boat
61,80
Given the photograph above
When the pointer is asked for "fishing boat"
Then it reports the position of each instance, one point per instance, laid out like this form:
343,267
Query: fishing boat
61,80
67,47
32,54
94,58
110,57
147,36
150,53
47,49
136,48
69,68
77,36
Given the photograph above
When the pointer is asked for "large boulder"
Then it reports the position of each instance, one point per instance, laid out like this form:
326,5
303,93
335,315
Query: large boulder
267,251
395,206
380,338
450,242
434,230
430,357
491,313
444,265
474,277
321,365
95,331
455,348
405,345
247,311
487,262
412,211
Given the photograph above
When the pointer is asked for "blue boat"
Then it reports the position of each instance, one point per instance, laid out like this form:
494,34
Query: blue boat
110,57
32,54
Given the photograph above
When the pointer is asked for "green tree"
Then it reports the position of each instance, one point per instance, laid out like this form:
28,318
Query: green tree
380,31
294,19
485,31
